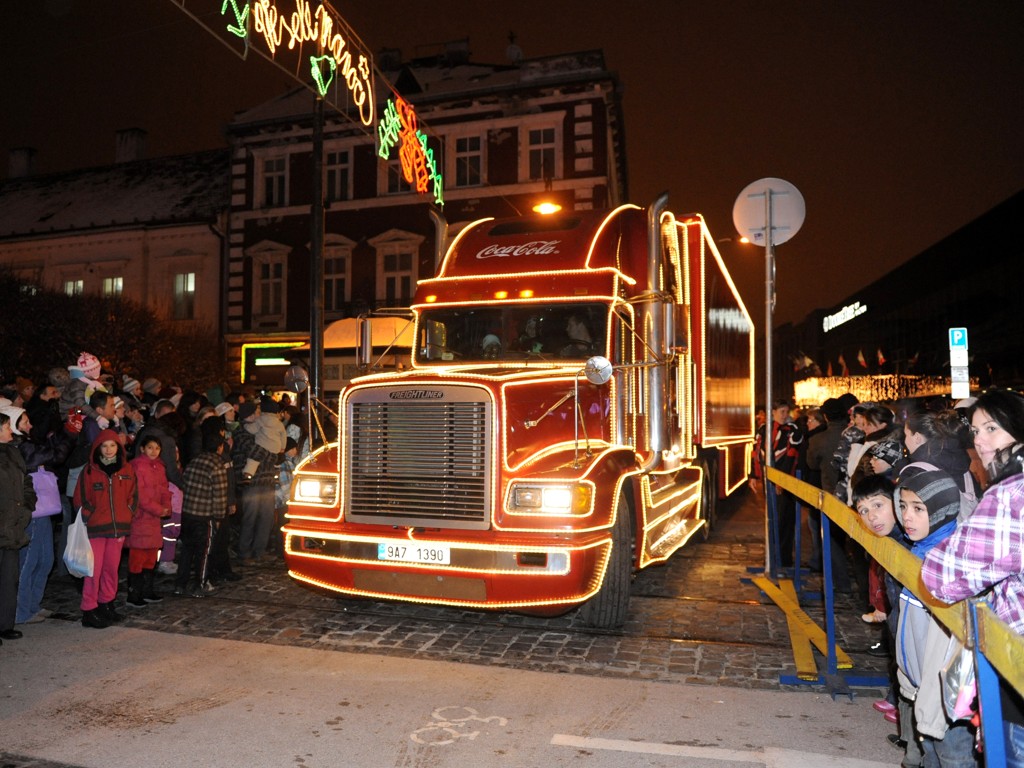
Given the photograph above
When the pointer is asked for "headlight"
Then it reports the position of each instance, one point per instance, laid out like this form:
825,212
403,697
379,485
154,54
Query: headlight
315,489
564,499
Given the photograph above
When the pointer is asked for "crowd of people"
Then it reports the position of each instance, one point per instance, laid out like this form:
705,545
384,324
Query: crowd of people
193,484
918,479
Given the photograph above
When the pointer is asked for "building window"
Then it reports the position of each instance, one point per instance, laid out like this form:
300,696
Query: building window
112,286
338,176
397,262
468,161
184,296
274,182
336,263
397,184
542,154
74,287
270,288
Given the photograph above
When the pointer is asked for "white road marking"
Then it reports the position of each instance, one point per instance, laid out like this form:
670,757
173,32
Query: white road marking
770,757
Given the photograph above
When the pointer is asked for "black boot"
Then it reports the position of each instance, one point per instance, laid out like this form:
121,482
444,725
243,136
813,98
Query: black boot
149,593
135,591
106,610
94,619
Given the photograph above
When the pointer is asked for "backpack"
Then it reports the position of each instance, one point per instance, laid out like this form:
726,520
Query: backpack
968,497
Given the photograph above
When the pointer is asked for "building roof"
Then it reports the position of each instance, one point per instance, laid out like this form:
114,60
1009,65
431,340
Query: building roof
436,77
185,188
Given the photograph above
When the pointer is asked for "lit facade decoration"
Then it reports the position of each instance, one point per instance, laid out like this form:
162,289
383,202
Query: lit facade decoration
873,389
492,473
398,128
310,41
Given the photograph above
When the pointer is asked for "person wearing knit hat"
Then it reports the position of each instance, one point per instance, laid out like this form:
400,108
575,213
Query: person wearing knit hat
129,385
927,505
928,501
151,391
58,377
884,454
89,364
19,420
25,389
83,383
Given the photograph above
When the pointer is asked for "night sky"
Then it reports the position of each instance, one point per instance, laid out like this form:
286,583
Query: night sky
898,121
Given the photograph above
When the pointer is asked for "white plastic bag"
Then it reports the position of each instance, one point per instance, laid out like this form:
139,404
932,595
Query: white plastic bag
78,552
959,686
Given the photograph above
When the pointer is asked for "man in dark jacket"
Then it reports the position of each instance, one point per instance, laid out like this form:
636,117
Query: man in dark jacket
820,450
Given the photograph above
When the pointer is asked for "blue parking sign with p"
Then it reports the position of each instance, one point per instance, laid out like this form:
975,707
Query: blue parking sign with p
957,338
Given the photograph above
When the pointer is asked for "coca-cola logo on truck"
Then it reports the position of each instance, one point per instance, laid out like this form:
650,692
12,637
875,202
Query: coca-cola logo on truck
533,248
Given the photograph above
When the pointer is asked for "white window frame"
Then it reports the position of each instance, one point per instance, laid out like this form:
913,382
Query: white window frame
268,254
527,149
332,169
396,242
338,247
393,169
184,308
262,176
112,287
73,286
455,158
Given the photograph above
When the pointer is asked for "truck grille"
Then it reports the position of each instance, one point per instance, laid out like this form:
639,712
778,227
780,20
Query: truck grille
422,463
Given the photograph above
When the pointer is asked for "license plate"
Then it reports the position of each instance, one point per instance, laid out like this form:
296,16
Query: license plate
428,554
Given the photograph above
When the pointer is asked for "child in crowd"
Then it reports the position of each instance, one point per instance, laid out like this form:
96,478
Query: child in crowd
205,505
146,536
873,500
929,503
268,430
108,494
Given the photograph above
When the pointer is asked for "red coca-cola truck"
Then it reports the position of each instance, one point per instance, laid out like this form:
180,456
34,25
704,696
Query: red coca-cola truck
579,395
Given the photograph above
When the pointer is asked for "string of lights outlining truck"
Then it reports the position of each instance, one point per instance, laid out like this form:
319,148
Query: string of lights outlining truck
579,395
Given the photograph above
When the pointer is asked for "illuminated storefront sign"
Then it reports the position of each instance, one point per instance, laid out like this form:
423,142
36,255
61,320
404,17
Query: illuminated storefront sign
307,39
398,126
844,315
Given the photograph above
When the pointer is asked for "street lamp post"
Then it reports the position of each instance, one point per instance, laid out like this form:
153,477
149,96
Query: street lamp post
769,212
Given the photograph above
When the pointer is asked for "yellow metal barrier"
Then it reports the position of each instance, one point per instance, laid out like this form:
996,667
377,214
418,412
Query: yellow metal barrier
993,641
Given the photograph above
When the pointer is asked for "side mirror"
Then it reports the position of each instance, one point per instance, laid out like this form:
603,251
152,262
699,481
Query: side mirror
598,370
296,379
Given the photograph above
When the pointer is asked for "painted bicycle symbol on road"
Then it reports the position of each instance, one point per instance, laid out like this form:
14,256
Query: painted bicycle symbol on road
448,728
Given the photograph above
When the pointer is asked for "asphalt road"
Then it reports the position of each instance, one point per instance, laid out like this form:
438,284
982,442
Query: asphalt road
266,672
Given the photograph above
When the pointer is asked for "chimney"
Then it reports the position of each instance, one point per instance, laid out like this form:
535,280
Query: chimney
131,145
21,162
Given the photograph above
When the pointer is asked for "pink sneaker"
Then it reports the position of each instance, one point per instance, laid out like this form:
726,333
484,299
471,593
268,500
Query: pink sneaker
884,706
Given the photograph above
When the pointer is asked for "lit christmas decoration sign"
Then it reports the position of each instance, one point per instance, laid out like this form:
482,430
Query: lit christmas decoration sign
398,125
330,59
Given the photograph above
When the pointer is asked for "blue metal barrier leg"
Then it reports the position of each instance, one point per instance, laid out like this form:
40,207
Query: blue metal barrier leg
988,701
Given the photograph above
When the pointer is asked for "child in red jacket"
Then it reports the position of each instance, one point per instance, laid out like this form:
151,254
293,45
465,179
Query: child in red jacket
108,494
146,536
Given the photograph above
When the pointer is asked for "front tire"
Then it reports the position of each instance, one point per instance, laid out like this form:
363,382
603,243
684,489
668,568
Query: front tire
609,608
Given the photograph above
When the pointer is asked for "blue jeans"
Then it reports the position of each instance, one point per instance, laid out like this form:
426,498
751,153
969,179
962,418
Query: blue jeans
954,750
1014,745
35,561
257,520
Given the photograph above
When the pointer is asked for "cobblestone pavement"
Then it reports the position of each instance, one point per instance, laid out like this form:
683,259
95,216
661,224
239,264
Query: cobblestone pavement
696,619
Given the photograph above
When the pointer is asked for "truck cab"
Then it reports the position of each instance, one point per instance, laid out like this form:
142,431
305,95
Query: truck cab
579,394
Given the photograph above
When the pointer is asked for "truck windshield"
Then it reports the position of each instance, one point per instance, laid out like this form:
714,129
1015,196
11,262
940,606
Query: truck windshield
483,334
